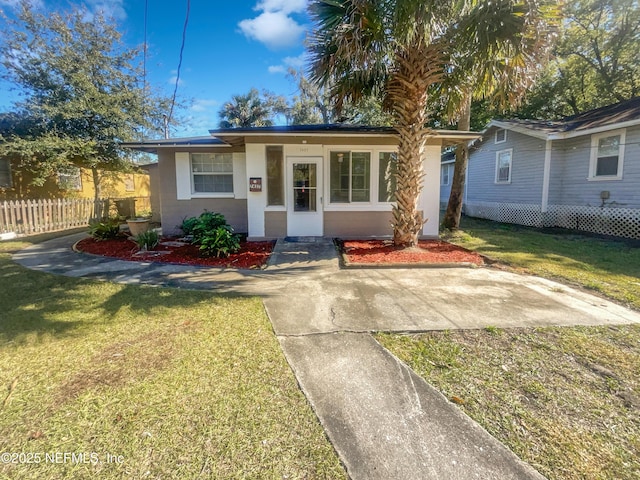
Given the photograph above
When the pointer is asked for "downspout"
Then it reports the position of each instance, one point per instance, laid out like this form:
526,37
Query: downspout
544,204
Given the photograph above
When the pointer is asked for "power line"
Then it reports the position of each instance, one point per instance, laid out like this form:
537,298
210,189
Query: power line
175,90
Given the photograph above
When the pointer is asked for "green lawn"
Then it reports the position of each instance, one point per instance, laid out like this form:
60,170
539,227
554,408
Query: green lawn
175,383
611,268
566,400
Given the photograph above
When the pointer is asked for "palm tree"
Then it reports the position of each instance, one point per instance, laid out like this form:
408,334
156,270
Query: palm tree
250,110
404,50
501,70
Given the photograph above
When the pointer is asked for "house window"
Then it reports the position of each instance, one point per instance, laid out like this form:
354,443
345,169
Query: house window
445,174
388,162
607,153
71,180
5,173
501,135
350,177
129,183
212,172
503,166
275,176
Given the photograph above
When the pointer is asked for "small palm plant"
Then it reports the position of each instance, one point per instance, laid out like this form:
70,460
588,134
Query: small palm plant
147,240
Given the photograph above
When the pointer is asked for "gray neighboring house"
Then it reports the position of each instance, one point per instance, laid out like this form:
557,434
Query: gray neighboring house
301,180
582,172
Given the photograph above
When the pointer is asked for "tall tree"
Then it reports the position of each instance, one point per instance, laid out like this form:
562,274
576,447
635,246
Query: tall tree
597,60
499,68
81,88
311,105
401,50
252,110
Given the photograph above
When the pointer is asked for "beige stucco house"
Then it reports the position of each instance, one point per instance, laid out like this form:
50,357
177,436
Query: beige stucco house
306,180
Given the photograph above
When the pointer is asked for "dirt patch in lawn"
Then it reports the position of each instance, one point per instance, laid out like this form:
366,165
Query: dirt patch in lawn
122,363
427,252
252,255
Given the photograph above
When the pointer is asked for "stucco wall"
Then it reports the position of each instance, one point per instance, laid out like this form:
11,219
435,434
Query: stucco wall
173,211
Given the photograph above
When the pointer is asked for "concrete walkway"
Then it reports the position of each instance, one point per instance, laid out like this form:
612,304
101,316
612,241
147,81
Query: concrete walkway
384,421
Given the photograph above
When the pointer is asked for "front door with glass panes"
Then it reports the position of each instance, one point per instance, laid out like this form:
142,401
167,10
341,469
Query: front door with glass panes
304,196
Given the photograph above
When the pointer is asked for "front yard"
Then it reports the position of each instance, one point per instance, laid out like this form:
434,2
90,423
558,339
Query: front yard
566,400
142,382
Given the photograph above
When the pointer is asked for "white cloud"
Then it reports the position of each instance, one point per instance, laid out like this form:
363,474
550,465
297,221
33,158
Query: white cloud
109,8
274,26
285,6
294,62
203,104
173,79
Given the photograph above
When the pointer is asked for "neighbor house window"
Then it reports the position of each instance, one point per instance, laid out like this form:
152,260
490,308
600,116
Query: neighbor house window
503,166
607,152
501,135
350,177
212,172
71,180
275,176
5,173
129,183
388,162
445,174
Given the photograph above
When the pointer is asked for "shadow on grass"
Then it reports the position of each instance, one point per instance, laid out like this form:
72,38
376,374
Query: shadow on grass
35,305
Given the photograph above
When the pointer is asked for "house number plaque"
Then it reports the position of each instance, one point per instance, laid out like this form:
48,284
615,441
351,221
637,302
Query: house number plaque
255,184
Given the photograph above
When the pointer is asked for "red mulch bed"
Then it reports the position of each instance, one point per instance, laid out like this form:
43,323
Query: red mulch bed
252,255
427,252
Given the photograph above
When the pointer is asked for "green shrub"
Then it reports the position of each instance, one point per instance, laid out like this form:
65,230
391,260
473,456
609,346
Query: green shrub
207,222
188,224
105,229
212,233
220,241
147,240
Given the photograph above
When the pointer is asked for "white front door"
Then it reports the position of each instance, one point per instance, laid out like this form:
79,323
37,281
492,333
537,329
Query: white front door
304,196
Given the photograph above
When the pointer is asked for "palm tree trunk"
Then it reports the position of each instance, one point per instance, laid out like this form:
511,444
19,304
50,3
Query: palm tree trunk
417,68
456,197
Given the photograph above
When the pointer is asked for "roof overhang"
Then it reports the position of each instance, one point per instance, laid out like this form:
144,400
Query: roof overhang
235,137
532,132
152,146
238,136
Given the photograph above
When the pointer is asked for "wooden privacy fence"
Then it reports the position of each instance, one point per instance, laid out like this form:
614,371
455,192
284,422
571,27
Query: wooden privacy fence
38,216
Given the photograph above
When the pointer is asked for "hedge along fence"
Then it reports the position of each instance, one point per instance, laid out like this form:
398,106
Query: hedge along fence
618,222
39,216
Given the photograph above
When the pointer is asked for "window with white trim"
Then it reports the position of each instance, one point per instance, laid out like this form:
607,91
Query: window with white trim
607,155
501,135
71,180
212,172
388,164
349,177
445,174
503,166
5,173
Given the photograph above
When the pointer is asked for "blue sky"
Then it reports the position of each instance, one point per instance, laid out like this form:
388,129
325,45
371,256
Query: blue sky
230,47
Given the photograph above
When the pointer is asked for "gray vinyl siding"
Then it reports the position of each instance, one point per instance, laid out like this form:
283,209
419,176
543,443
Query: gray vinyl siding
445,190
174,211
573,187
527,170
